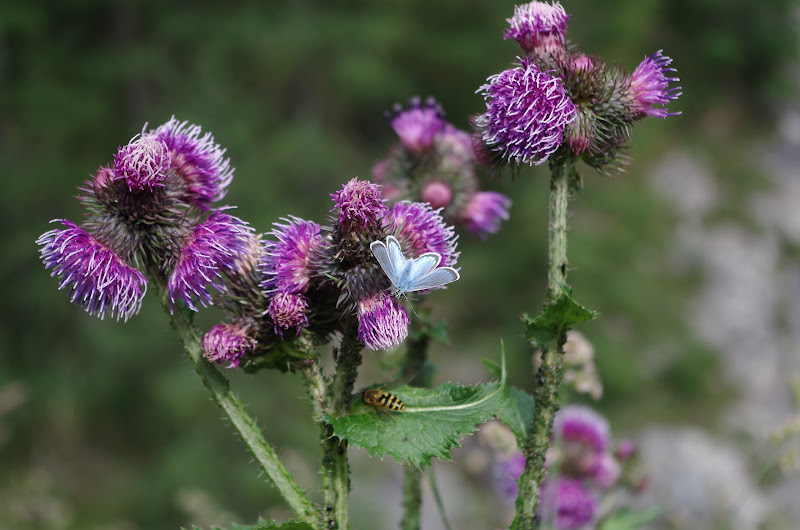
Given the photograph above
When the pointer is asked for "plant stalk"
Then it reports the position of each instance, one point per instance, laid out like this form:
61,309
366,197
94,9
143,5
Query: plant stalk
229,402
414,370
550,372
335,467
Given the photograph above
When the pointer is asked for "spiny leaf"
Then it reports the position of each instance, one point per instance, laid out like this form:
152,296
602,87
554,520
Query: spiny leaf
555,319
517,413
517,410
430,426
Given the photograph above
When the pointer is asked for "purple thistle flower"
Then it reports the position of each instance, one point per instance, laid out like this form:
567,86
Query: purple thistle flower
142,164
418,125
581,425
228,344
455,148
382,322
103,178
605,470
420,229
198,160
436,193
538,25
526,112
508,472
359,202
285,263
650,86
626,449
98,279
567,503
484,211
214,247
288,310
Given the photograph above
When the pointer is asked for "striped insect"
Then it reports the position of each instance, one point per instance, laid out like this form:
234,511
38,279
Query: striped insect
383,401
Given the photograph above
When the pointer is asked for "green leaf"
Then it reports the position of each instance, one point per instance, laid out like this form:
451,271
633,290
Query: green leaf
555,319
430,426
517,413
629,520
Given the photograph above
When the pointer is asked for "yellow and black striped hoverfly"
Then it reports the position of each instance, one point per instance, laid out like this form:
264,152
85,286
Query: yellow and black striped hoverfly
383,401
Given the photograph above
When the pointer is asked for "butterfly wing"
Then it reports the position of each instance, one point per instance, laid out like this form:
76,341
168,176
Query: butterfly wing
436,278
419,268
381,253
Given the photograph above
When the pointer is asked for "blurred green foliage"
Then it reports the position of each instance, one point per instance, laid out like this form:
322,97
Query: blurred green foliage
114,430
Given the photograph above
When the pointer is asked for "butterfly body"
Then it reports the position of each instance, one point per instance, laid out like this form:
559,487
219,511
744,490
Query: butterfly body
411,274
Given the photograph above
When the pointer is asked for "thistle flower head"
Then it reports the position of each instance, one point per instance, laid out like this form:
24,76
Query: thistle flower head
454,148
650,86
382,321
98,279
576,424
605,470
142,164
285,262
288,310
526,112
420,229
228,344
484,211
359,202
538,26
436,193
566,502
418,125
213,248
198,160
507,474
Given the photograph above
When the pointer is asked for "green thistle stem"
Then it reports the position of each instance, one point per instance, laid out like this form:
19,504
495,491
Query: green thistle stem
414,370
550,372
229,402
336,469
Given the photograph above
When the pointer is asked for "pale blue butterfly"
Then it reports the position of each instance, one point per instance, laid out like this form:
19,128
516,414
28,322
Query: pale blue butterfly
411,274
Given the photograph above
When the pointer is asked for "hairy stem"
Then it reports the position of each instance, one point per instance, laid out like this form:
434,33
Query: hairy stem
229,402
414,370
335,468
412,498
550,370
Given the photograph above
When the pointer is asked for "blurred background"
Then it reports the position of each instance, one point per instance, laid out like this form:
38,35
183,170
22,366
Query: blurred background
690,256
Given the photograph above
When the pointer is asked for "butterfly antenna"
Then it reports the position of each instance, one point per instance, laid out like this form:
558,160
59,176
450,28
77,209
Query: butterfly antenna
410,305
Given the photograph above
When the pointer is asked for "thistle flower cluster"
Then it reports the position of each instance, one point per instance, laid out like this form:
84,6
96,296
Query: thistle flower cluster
434,163
581,467
322,279
152,209
558,103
